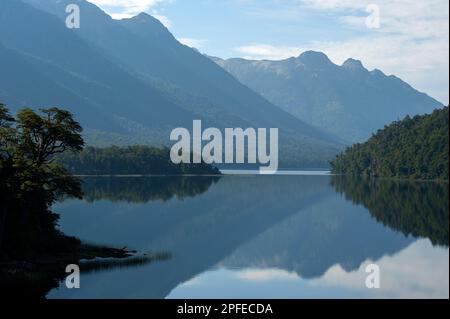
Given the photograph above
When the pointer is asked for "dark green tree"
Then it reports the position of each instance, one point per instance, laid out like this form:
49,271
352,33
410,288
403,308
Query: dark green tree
131,160
415,148
31,181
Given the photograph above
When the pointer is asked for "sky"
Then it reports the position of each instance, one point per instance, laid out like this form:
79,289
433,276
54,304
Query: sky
407,38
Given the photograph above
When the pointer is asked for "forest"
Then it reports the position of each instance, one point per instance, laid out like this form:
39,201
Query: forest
131,160
412,148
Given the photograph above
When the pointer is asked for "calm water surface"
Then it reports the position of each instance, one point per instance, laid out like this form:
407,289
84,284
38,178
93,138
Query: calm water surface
264,237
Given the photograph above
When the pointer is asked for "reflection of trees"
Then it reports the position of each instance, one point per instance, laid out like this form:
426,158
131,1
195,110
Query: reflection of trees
96,265
35,280
144,189
420,209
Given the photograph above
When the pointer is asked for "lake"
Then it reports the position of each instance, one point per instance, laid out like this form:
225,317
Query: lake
285,236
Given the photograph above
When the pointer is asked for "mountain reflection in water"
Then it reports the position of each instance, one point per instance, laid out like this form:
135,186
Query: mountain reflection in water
302,225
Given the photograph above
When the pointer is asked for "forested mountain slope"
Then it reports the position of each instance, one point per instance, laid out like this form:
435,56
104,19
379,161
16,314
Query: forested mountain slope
415,147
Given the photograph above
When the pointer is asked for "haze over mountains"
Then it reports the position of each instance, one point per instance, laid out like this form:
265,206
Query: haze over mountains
347,100
130,81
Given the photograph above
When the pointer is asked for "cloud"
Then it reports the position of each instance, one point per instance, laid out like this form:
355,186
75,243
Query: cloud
261,275
259,51
334,4
192,42
423,64
120,9
412,41
416,272
414,19
163,19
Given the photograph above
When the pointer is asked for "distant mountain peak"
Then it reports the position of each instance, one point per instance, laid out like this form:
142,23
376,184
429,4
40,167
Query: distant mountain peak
353,64
144,15
145,18
147,25
377,72
314,58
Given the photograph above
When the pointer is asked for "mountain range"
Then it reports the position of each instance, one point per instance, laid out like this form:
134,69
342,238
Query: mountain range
131,82
346,100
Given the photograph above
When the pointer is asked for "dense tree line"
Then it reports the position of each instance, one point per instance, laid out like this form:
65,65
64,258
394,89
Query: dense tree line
416,148
131,160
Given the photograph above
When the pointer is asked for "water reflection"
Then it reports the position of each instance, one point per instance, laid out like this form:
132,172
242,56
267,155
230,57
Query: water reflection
400,278
35,281
144,189
420,209
297,225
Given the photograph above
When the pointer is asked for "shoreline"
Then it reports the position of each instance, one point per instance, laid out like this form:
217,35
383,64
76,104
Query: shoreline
146,175
394,179
256,173
35,276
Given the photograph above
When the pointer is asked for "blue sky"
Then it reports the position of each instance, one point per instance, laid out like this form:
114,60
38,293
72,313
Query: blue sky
411,41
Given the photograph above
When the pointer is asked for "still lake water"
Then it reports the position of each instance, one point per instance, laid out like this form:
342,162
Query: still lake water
264,237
